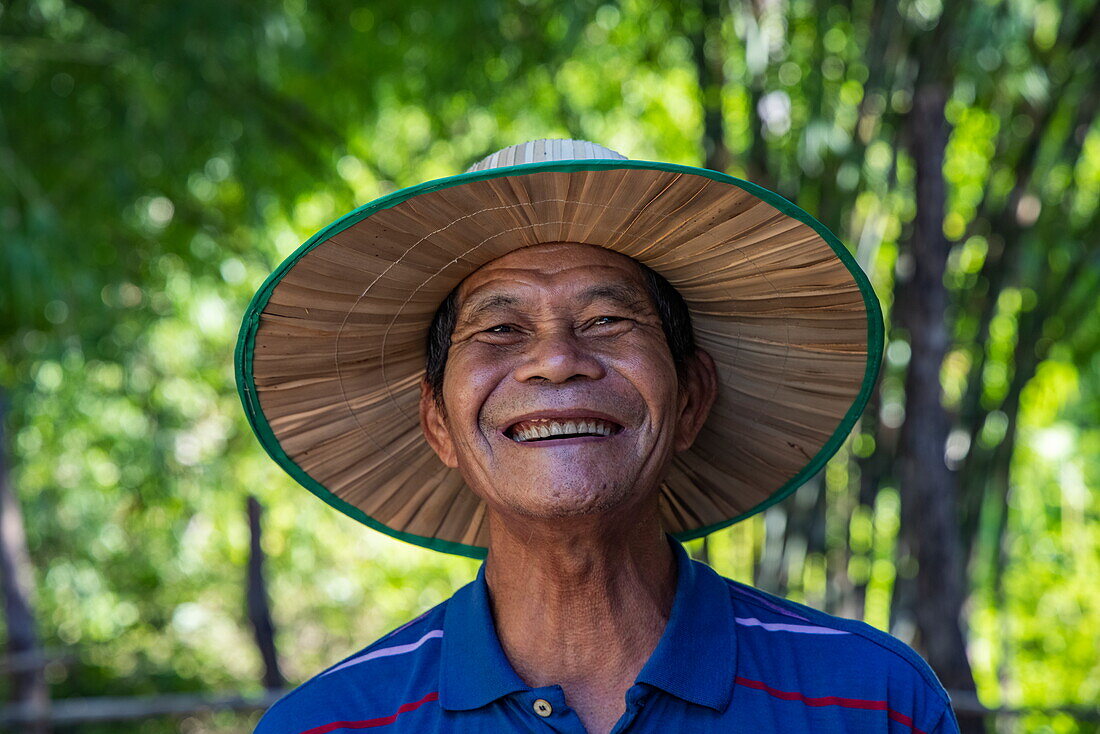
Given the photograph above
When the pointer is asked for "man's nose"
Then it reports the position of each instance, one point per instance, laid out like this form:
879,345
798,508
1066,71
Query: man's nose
558,358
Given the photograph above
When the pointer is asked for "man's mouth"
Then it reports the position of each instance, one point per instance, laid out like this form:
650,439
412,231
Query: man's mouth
549,429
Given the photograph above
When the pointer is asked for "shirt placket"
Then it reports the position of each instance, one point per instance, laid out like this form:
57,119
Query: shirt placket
547,710
636,699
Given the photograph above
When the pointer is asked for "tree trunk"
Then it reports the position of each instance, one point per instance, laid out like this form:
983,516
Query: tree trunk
706,46
757,161
259,612
929,503
767,572
707,53
28,684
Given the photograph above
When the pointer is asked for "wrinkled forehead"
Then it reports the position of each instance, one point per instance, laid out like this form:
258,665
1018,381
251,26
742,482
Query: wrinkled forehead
561,269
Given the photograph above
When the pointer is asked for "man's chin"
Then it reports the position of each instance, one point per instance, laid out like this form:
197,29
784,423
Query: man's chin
570,500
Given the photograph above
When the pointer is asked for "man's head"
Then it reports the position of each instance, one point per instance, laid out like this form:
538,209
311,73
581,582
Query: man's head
561,380
328,362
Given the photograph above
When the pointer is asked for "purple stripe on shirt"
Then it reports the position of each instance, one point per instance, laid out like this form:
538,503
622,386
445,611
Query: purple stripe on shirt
804,629
386,652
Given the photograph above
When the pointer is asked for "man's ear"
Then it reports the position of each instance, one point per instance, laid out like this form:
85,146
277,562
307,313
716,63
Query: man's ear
698,391
434,426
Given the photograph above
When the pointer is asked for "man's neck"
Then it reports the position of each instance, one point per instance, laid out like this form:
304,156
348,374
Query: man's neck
581,604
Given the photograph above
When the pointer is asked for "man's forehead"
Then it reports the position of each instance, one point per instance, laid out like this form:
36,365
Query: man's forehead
587,270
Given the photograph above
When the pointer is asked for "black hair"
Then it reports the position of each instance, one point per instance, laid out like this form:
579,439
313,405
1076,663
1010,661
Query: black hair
669,304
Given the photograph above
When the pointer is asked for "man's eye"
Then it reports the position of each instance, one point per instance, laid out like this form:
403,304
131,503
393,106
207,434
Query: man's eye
602,320
500,329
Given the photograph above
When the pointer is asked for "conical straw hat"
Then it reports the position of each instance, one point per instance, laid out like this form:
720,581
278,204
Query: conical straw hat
331,352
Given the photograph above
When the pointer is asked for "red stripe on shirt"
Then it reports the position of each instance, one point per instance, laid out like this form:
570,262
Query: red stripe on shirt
371,723
850,703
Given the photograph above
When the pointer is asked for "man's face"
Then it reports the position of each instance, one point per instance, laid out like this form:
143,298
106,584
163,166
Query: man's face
560,397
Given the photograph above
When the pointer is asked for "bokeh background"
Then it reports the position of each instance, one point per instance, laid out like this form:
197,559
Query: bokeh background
159,159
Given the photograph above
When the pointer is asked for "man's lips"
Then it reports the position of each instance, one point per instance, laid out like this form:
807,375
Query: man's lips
551,428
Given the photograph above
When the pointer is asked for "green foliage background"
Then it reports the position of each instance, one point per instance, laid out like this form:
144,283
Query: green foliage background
157,160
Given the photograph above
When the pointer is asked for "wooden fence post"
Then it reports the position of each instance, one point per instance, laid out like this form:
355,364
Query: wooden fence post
28,684
259,610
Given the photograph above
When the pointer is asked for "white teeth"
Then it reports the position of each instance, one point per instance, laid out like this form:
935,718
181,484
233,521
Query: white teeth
542,428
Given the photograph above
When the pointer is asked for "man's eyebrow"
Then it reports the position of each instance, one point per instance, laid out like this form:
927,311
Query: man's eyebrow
622,295
476,306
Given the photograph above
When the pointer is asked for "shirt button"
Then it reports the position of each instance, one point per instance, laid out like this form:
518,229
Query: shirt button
542,707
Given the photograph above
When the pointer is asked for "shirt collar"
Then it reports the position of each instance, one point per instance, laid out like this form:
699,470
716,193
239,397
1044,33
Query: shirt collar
694,660
473,668
696,657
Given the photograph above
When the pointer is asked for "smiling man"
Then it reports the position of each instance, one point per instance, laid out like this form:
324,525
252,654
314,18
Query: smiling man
567,362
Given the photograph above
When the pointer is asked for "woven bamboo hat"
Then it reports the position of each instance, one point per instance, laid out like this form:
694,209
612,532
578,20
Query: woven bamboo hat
332,348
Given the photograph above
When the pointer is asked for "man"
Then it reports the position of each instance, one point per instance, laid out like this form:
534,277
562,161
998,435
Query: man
564,422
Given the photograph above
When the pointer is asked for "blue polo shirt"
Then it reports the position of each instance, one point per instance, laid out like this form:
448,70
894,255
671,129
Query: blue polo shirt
731,659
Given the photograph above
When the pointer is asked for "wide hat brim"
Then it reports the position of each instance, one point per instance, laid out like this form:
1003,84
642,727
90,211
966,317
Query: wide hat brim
331,351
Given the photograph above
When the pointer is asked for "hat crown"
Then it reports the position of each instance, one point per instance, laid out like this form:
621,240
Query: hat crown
541,151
